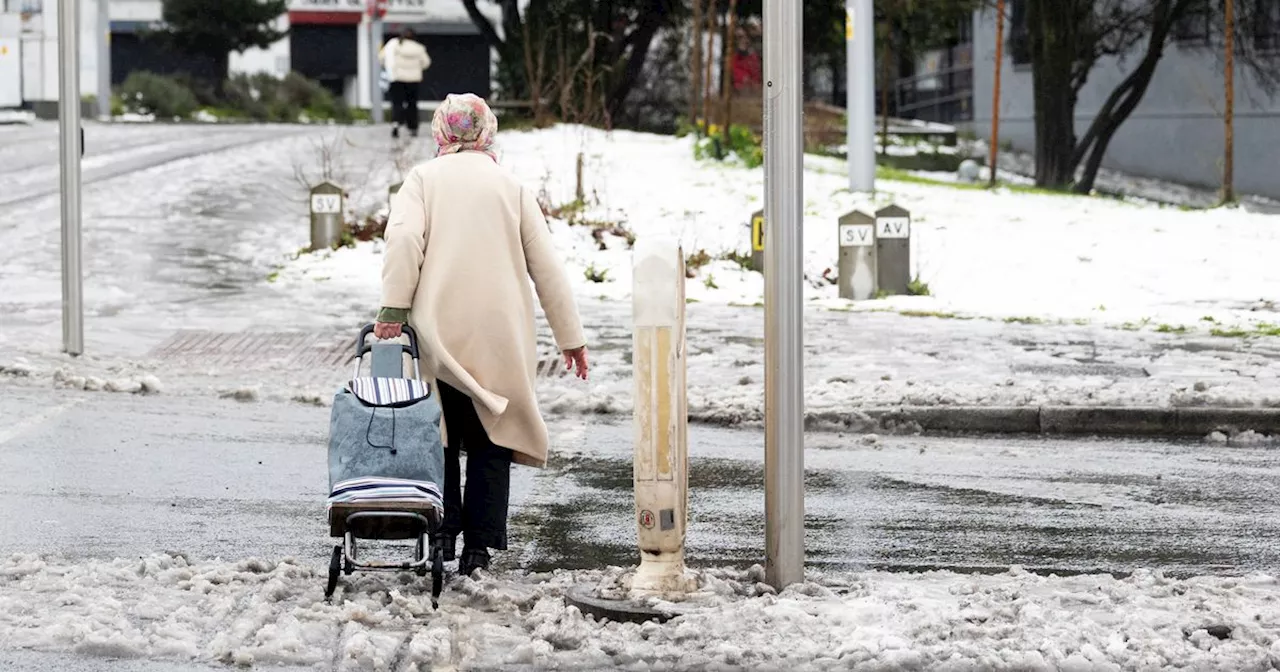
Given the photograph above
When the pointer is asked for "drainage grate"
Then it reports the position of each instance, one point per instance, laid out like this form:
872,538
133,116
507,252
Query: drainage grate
256,349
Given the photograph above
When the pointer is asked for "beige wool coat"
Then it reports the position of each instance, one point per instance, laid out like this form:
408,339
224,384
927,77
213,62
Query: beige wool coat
464,238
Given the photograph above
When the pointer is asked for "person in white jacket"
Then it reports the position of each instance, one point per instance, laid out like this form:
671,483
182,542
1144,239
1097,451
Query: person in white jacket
406,60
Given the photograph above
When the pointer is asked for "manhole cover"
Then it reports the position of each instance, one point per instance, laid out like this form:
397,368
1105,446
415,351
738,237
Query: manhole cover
256,349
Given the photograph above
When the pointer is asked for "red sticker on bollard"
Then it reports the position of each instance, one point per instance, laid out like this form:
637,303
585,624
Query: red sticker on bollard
646,519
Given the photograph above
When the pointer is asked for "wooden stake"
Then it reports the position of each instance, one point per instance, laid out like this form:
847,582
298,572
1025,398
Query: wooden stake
995,95
886,74
730,55
1228,159
695,65
706,81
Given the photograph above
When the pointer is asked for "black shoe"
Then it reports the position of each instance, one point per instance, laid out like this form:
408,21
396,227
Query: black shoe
413,132
395,131
447,543
473,559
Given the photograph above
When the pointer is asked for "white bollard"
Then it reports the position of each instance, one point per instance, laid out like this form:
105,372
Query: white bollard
661,417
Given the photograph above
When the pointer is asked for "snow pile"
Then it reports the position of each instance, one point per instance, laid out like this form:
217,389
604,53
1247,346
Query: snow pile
87,373
141,384
993,253
1245,439
16,117
19,368
255,613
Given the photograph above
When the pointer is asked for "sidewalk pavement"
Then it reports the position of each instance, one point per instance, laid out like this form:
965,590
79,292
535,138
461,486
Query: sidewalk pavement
864,372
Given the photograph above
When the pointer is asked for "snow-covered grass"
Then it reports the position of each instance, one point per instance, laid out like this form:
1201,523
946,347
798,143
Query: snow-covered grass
255,613
907,350
1012,253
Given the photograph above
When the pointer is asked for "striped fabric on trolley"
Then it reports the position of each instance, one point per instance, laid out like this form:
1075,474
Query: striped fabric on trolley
388,391
376,489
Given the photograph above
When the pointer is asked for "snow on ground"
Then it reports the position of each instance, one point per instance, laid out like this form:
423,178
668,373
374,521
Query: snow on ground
255,613
1000,254
854,361
148,273
1070,283
14,117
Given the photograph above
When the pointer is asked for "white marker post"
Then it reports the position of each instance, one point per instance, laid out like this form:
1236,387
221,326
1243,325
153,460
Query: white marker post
327,206
70,149
783,293
376,9
661,417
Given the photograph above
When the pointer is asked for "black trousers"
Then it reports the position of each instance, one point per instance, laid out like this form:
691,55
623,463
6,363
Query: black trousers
480,516
404,104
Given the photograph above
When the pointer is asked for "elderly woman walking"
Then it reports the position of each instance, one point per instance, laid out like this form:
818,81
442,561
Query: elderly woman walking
463,240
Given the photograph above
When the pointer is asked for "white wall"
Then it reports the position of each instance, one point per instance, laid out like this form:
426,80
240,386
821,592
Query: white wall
273,60
1176,132
40,55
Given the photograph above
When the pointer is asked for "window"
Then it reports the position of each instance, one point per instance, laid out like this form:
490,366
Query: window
1194,26
1266,29
1019,33
964,30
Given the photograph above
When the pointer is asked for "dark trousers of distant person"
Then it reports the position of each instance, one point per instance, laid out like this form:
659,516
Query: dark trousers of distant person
404,105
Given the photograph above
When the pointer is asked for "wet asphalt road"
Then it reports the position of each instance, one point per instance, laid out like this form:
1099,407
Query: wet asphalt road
101,475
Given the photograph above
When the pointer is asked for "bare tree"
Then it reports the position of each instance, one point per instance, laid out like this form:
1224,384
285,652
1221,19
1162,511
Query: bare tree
1067,40
621,31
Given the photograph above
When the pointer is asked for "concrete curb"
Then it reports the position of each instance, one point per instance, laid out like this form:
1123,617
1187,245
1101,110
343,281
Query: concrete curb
1079,420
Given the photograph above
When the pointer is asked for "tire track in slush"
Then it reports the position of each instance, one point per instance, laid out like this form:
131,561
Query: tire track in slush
183,149
14,161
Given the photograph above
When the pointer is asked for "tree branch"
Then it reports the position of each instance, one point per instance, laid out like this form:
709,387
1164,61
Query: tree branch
483,23
1124,99
643,37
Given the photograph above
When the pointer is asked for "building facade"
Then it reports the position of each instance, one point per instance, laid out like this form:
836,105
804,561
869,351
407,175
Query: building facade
328,40
1177,131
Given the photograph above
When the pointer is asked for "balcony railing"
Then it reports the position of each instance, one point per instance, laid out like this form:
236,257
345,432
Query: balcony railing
944,95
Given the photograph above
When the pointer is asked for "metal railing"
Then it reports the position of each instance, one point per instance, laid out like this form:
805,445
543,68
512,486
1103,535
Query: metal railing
948,100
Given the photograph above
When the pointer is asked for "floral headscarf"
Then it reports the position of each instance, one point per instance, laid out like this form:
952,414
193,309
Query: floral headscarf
463,123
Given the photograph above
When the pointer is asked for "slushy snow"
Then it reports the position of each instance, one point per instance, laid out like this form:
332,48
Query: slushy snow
257,613
996,254
1054,325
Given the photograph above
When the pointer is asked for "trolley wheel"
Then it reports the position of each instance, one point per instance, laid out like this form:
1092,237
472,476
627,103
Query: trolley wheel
335,568
437,576
420,554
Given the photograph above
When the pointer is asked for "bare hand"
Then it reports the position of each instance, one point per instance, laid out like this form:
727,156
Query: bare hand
577,359
387,330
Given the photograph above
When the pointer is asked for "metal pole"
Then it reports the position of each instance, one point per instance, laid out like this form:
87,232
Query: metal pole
104,59
375,68
783,274
860,108
995,94
69,147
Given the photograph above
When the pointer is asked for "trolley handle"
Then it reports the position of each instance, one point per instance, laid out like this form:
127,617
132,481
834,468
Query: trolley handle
363,348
